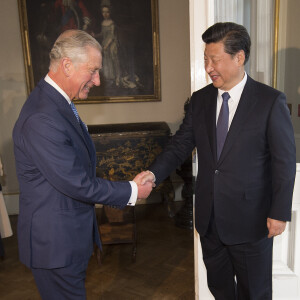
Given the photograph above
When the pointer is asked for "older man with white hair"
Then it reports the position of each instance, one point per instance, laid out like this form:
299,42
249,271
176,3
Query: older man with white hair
56,168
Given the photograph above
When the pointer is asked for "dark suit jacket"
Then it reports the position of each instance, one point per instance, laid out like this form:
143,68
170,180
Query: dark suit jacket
56,168
254,177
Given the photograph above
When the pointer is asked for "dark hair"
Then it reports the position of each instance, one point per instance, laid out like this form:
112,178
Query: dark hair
234,37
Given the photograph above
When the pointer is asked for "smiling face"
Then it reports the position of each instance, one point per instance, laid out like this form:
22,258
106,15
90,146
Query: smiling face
225,70
86,75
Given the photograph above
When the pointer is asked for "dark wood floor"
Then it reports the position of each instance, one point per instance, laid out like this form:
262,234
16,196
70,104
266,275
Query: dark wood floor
164,268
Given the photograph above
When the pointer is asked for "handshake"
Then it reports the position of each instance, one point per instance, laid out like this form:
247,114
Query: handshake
145,183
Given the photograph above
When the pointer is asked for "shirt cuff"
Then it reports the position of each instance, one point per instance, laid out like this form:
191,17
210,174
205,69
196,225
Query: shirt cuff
134,193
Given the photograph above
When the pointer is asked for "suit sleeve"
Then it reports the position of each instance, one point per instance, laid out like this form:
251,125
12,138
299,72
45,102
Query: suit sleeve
283,159
177,151
55,156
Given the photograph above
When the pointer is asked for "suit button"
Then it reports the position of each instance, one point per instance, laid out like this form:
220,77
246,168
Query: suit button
217,172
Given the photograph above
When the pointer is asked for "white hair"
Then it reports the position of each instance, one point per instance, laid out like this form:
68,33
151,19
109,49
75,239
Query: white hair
72,44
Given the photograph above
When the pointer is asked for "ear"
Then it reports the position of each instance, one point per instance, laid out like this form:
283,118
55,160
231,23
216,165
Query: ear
240,56
67,66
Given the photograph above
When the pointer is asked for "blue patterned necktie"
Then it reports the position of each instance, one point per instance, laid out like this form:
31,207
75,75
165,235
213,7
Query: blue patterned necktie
222,124
74,111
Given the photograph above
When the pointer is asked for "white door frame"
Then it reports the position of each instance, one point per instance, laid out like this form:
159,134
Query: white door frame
201,17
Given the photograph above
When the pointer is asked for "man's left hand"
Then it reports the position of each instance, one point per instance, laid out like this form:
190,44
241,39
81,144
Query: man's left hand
275,227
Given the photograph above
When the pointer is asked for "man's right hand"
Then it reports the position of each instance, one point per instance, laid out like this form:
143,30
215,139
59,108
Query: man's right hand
144,181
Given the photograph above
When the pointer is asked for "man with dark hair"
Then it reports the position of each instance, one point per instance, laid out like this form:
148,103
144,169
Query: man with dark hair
234,36
246,167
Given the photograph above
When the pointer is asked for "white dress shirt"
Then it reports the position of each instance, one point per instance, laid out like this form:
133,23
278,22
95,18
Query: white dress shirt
134,188
235,96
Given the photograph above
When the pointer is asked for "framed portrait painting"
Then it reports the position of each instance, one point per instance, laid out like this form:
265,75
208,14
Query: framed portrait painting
126,29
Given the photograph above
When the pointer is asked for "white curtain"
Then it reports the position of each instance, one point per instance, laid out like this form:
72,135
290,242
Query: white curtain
5,228
258,17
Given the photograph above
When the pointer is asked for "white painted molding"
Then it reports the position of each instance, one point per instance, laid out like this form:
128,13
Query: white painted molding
201,17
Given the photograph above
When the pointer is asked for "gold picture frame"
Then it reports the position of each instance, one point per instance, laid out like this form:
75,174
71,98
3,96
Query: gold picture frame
131,63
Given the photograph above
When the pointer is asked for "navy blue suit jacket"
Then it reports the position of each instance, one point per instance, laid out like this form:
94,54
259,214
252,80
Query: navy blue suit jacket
56,169
254,177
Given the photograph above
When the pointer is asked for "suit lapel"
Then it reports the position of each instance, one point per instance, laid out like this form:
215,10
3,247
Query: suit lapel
211,107
88,140
80,127
245,106
65,109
